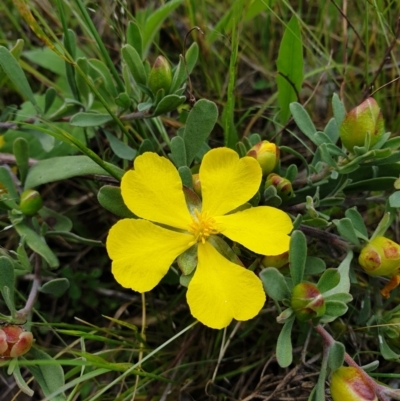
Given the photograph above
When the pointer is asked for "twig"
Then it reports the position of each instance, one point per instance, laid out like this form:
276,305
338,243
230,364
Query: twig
23,313
379,390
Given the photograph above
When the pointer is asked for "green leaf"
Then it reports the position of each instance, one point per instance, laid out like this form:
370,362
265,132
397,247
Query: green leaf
383,225
61,168
37,244
84,91
56,221
8,183
7,283
134,37
56,287
120,148
178,151
135,64
335,309
357,221
199,124
111,199
332,130
21,153
394,199
328,280
168,103
74,238
50,96
339,110
84,119
284,350
336,355
16,51
180,73
21,383
104,73
186,176
346,230
290,68
275,284
297,256
386,351
314,265
154,22
50,376
303,120
15,74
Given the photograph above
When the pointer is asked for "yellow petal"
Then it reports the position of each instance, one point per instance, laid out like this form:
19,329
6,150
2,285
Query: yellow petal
153,191
221,290
227,181
261,229
143,252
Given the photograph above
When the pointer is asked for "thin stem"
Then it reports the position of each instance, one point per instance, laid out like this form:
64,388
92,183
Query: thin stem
23,313
379,390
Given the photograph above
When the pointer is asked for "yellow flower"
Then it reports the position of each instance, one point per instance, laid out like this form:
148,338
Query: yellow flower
143,249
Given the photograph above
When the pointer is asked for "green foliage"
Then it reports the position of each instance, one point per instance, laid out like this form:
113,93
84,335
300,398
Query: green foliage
80,102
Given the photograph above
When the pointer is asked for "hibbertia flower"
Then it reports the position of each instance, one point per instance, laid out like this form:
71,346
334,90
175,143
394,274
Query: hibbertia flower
142,250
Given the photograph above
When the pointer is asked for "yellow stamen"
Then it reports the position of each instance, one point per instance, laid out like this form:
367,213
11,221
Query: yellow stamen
202,226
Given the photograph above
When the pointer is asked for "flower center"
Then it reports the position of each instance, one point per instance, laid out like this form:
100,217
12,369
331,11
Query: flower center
202,226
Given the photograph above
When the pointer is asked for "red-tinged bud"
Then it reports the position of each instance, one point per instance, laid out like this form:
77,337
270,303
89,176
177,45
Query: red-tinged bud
277,261
367,117
14,341
31,202
267,154
196,184
283,186
160,75
380,257
349,384
307,302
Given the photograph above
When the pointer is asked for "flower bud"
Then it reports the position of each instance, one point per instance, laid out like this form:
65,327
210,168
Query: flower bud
196,184
267,154
367,117
160,75
380,257
14,341
283,186
349,384
277,261
31,202
307,302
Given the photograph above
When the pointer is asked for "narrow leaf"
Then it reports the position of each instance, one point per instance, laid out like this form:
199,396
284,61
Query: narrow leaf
111,199
290,68
297,256
284,349
7,283
134,37
61,168
135,64
16,74
303,120
84,119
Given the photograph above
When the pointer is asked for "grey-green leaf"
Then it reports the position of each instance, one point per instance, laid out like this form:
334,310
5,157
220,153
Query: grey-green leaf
275,284
297,256
16,74
37,244
120,148
168,103
336,355
328,280
111,199
346,230
134,37
49,376
21,153
303,120
7,283
284,349
135,64
84,119
61,168
178,151
200,122
56,287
